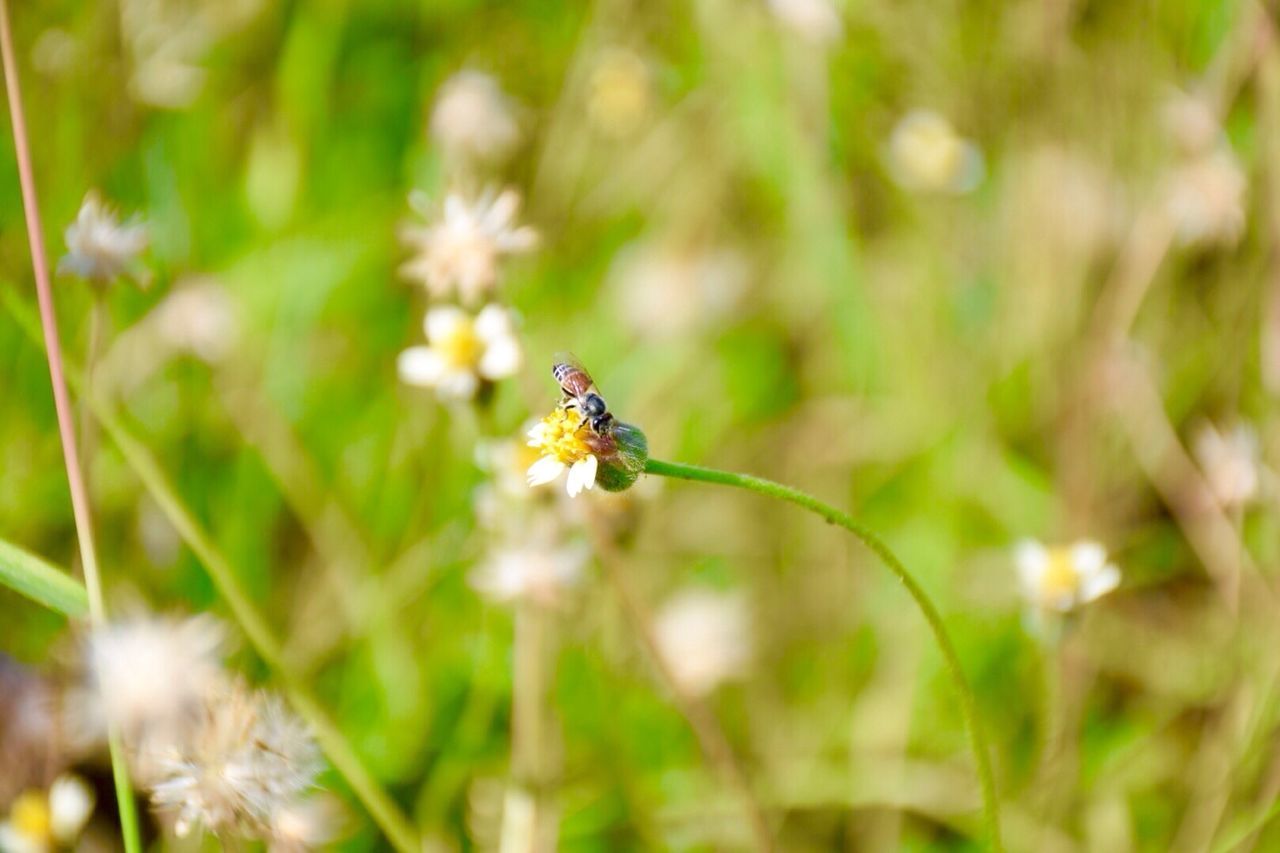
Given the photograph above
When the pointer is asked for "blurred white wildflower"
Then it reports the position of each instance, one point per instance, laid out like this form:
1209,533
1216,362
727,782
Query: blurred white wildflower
55,52
149,676
247,759
1204,192
305,824
473,120
100,248
40,821
814,20
1230,462
462,350
1061,578
1192,123
926,154
198,317
539,570
560,438
705,638
1205,199
666,291
460,254
620,93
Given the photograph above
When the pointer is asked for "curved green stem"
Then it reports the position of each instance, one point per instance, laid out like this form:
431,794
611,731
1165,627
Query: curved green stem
968,705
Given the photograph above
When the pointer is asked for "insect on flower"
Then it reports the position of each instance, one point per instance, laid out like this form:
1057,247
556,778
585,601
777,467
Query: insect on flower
582,437
580,393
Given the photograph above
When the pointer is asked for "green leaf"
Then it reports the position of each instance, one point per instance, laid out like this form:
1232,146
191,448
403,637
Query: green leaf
31,576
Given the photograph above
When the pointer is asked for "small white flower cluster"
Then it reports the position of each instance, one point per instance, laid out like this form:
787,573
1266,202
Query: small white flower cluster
212,754
457,255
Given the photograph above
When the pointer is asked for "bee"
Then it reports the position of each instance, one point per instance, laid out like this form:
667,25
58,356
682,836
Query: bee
580,393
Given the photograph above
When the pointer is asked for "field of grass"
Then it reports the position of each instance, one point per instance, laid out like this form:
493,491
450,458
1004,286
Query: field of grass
999,280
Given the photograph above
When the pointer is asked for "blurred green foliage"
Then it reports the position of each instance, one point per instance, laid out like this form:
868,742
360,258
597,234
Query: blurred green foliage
929,361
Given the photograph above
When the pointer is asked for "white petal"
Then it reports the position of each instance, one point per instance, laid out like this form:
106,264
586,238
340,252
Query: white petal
420,366
457,385
537,433
70,804
503,210
441,321
501,358
1032,561
544,470
492,323
1088,558
455,207
522,239
1099,583
581,476
13,841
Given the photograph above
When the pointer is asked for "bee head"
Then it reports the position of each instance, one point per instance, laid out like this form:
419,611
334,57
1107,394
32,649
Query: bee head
602,424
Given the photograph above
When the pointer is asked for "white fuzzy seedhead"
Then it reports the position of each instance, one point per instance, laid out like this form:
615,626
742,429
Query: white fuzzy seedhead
248,758
100,247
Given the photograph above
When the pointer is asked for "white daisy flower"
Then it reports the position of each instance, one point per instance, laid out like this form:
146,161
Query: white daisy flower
462,350
926,154
460,254
1230,462
705,638
1064,577
561,436
100,248
41,821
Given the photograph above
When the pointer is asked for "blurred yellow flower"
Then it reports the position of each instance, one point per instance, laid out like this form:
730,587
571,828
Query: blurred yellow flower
926,154
1063,577
462,350
620,96
561,436
39,821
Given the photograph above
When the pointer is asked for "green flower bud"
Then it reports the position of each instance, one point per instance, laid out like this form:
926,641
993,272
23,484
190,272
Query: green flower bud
622,455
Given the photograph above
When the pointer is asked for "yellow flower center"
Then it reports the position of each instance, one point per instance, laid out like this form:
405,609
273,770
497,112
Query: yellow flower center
1060,578
29,816
461,347
562,437
933,151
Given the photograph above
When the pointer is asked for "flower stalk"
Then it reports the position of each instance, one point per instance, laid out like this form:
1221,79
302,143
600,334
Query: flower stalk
62,405
968,705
